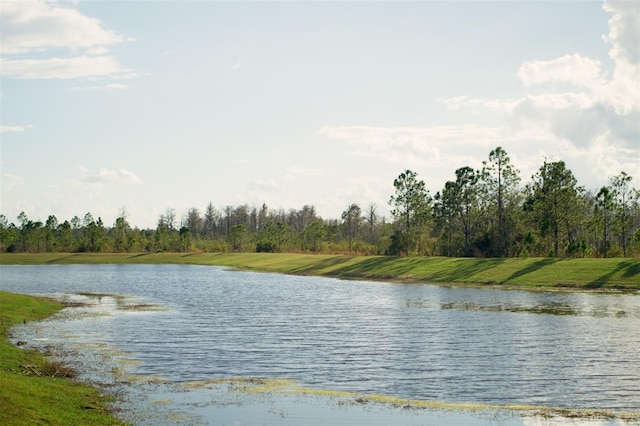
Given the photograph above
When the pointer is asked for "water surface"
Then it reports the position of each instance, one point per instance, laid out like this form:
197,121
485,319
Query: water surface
459,345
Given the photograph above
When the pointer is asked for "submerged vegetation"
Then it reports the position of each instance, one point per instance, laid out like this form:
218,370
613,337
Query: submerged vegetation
585,274
480,213
291,387
33,390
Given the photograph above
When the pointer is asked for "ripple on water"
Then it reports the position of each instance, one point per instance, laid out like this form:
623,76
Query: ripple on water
411,341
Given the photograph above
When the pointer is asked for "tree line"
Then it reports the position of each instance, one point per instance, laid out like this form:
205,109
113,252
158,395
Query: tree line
481,213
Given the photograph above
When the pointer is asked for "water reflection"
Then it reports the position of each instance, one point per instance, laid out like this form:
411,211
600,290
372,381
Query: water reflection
552,308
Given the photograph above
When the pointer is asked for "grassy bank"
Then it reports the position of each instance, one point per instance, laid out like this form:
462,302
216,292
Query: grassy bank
34,391
587,274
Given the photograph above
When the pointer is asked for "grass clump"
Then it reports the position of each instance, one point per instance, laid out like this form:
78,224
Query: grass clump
34,391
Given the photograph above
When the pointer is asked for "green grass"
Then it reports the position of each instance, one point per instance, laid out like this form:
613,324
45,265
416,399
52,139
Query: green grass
44,399
584,274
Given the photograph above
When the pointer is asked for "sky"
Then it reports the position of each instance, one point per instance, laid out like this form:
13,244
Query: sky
142,106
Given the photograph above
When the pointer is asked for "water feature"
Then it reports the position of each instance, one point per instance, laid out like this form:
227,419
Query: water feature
436,343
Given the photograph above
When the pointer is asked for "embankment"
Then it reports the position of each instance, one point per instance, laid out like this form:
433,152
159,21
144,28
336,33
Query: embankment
619,274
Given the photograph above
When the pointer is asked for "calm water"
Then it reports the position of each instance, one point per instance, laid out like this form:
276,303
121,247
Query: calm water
570,350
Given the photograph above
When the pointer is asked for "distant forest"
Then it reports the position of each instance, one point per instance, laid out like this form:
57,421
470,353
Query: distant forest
481,213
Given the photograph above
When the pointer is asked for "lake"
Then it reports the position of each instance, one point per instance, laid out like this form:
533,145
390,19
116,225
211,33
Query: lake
187,324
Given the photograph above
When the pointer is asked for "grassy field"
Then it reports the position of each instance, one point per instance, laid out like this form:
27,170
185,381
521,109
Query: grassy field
34,391
586,274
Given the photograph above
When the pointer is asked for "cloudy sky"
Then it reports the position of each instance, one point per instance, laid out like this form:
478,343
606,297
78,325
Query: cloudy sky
149,105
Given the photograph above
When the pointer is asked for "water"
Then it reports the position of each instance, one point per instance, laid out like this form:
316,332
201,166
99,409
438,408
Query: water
458,345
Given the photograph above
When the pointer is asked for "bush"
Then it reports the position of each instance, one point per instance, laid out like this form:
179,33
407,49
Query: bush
266,247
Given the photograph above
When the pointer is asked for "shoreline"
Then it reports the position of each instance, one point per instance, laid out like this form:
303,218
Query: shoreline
42,391
611,275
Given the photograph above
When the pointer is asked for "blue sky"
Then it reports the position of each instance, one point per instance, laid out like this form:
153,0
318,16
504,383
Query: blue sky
149,105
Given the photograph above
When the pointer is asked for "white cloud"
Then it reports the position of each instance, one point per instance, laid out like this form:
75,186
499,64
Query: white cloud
413,138
607,107
262,185
12,129
112,86
294,171
596,123
62,68
37,25
573,69
624,30
97,51
459,102
46,40
567,100
622,92
112,176
363,190
10,181
414,146
236,66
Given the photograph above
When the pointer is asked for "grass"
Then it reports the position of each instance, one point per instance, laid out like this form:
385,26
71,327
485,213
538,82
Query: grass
34,391
546,273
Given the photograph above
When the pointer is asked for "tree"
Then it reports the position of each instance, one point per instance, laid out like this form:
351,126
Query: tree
262,217
8,234
411,207
95,234
31,233
466,187
446,209
67,241
299,220
51,228
194,222
227,218
166,236
456,210
171,219
500,180
352,217
312,236
184,236
623,198
267,239
37,236
241,216
603,210
120,232
281,234
24,229
211,217
238,233
556,201
76,228
372,221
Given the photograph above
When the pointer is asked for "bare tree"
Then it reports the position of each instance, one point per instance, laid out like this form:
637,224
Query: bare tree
352,217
